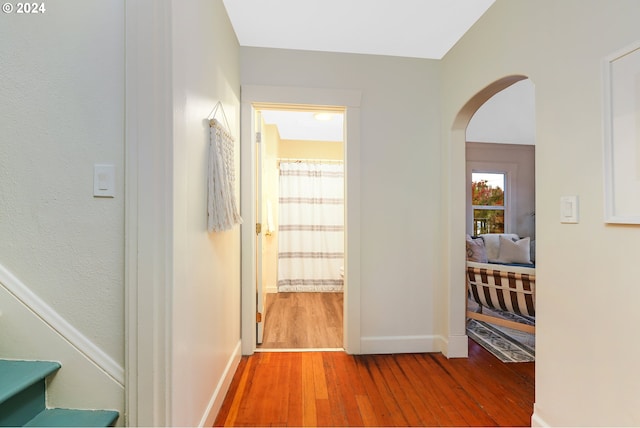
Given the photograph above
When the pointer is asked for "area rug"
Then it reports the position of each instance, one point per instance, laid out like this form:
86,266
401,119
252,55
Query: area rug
502,345
508,345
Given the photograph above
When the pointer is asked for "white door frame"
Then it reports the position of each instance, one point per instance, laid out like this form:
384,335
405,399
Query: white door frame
350,100
148,212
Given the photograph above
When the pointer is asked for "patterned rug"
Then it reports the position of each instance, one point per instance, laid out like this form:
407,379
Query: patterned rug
508,345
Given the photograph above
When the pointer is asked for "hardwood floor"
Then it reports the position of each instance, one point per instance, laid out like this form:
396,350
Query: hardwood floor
303,320
336,389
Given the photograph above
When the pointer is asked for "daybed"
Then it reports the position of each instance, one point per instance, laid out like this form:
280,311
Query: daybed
500,275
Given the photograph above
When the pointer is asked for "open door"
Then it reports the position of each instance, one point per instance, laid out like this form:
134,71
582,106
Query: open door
260,295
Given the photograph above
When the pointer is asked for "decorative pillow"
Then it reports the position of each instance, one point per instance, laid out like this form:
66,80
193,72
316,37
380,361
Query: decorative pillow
492,243
475,250
514,252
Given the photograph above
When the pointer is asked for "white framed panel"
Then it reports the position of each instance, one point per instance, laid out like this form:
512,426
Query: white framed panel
621,75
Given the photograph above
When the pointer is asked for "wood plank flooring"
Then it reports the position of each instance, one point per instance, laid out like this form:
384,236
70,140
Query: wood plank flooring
303,320
336,389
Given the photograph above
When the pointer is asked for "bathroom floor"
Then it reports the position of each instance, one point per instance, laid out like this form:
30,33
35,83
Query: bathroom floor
303,320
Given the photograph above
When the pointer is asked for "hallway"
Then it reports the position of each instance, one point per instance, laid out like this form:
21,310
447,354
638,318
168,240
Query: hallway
336,389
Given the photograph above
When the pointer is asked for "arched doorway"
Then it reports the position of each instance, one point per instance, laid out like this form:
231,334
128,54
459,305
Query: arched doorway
457,340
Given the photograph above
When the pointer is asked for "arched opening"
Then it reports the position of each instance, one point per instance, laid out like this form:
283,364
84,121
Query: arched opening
457,341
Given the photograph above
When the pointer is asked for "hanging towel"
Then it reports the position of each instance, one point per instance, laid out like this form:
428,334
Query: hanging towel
222,208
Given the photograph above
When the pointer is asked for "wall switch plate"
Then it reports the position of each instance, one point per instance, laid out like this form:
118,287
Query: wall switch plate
568,209
104,181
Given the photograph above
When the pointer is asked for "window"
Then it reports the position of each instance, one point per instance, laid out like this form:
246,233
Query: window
488,200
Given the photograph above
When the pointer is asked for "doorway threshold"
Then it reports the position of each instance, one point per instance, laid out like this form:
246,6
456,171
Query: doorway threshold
299,350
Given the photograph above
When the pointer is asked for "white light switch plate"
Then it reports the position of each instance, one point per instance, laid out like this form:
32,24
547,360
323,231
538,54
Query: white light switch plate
104,181
568,209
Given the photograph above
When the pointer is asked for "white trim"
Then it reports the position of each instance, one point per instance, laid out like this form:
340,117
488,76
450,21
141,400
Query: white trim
252,94
610,214
536,420
454,210
61,326
215,403
510,171
299,350
271,289
148,215
456,346
400,344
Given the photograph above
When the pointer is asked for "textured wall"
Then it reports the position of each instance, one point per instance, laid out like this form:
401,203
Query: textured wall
62,111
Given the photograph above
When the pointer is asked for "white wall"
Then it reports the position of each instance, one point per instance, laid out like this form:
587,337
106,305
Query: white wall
400,175
61,112
206,282
586,351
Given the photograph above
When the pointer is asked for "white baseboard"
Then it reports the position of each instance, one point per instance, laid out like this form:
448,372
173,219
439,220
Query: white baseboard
271,289
536,420
215,403
456,346
399,344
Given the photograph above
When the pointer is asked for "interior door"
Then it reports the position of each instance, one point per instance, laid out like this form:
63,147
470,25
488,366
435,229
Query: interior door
260,295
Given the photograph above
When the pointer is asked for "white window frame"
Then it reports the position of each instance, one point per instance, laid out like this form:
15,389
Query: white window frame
510,172
502,207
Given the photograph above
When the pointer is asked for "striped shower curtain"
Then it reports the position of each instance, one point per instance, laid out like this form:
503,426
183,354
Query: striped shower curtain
311,227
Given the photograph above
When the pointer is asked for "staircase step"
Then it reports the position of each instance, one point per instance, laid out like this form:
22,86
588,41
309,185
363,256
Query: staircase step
23,403
19,375
22,389
74,418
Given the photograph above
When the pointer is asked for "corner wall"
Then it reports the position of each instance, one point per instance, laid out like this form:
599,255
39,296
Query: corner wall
586,352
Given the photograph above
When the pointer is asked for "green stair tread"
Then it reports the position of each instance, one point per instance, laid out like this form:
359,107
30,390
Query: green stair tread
74,418
18,375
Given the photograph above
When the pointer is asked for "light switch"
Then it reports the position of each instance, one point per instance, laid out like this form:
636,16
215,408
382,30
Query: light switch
104,181
568,209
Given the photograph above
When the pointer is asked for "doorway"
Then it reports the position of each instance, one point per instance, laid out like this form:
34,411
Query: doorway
519,216
253,97
301,244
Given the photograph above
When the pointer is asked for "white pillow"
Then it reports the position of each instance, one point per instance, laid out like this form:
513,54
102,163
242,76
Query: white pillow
514,252
492,243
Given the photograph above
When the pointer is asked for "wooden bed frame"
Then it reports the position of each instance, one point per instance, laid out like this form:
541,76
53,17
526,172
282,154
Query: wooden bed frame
508,288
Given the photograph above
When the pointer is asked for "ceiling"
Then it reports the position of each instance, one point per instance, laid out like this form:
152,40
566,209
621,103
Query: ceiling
303,125
407,28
